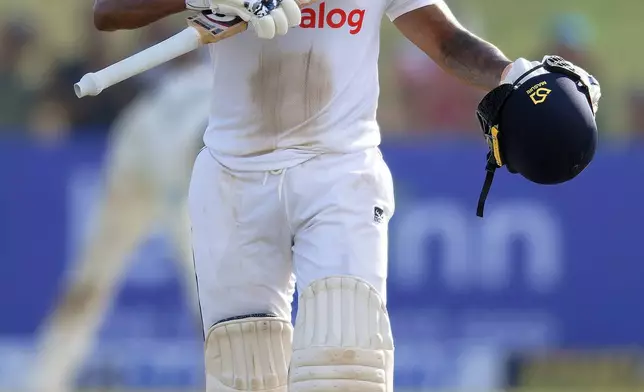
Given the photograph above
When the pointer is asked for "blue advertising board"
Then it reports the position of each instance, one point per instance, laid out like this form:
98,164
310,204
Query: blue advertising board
556,266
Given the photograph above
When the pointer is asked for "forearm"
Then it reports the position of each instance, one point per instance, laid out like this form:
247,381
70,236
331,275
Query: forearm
472,59
435,30
110,15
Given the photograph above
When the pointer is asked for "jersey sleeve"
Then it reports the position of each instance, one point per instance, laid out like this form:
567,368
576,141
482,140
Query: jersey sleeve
395,8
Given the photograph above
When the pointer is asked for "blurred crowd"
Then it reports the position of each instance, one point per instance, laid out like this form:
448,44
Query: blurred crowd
421,98
46,107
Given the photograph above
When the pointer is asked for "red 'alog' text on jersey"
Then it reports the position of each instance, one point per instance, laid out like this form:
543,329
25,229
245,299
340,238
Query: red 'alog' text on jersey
334,18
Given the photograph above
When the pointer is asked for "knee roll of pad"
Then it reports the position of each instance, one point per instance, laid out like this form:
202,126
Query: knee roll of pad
248,353
342,339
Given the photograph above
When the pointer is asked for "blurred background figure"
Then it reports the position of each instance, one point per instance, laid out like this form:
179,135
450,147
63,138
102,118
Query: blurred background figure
96,283
153,143
431,100
635,105
571,36
94,115
16,97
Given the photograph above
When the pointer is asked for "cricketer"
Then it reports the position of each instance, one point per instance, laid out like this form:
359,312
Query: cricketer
291,188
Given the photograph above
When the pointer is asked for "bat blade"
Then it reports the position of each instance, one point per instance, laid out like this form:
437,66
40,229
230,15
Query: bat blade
213,27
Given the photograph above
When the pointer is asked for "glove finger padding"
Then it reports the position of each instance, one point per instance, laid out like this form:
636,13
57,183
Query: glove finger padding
292,12
264,27
280,20
267,18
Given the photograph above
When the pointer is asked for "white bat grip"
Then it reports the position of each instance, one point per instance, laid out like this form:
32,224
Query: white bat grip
179,44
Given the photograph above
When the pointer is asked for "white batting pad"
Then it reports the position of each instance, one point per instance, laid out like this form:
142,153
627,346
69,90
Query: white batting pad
342,339
248,354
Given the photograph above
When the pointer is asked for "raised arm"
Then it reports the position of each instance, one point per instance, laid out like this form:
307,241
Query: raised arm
110,15
435,30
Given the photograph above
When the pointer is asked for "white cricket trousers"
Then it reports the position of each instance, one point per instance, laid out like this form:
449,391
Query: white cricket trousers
255,234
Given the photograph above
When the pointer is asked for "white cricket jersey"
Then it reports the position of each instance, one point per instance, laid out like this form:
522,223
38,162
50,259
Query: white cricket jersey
280,102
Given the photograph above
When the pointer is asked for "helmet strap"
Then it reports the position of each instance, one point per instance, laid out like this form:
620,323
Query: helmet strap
490,169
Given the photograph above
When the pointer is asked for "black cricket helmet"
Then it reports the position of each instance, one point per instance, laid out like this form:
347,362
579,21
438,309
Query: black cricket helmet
542,126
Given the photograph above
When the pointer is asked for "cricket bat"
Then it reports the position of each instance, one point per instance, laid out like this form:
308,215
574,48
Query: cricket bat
203,28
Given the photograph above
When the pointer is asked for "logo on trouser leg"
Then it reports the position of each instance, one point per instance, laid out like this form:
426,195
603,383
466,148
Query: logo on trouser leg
378,214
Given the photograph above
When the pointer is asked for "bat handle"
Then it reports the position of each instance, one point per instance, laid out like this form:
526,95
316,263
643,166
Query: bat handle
179,44
88,85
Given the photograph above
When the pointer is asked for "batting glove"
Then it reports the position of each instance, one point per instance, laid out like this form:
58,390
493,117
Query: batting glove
515,70
267,17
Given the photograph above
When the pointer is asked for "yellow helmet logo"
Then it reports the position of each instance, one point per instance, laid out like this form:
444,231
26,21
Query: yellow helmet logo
540,95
